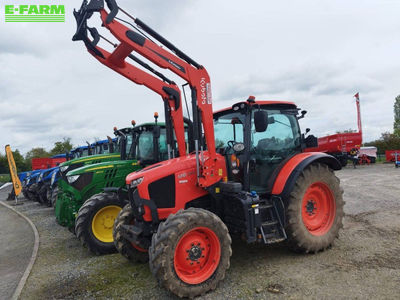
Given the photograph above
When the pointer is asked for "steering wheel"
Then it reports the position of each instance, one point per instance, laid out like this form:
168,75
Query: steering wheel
231,143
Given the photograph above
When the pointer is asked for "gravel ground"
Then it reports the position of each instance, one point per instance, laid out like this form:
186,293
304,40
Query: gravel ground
363,263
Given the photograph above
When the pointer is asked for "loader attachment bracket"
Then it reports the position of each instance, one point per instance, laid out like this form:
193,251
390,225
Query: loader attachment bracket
83,14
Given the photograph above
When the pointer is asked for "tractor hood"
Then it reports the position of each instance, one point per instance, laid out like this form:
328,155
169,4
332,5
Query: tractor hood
101,167
87,159
164,168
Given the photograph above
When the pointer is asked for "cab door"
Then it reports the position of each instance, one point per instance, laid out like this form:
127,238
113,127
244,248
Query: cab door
271,147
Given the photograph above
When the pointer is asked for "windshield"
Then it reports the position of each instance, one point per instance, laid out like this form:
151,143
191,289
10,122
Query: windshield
145,145
99,149
85,152
106,148
144,148
227,128
130,154
117,144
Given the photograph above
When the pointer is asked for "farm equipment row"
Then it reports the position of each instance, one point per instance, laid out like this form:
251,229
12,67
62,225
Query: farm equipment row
174,194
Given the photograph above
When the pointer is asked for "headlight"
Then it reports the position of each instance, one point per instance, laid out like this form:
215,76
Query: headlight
73,178
27,182
64,168
136,182
40,177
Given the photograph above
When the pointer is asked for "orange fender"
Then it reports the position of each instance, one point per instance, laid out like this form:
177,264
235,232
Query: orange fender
289,172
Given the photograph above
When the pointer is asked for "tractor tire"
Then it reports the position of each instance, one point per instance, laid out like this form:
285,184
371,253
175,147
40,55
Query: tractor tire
48,196
315,210
42,195
190,252
124,247
95,220
25,193
32,193
54,195
343,161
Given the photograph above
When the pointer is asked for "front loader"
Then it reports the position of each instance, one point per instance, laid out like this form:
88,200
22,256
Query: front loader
248,176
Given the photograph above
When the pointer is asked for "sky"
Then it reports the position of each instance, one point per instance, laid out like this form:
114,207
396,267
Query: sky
316,53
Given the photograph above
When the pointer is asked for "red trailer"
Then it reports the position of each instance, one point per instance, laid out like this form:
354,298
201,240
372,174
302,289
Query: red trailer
391,155
342,145
46,162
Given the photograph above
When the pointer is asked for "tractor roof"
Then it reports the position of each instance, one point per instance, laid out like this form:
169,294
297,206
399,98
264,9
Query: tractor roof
263,103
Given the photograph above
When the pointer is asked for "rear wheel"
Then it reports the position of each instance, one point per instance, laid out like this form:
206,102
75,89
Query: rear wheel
126,248
190,252
315,210
343,161
54,196
95,220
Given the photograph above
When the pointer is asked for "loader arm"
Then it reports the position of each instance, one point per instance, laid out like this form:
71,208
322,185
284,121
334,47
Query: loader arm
176,61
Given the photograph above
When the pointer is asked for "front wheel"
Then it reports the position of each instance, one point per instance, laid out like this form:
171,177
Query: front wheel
190,252
315,210
126,248
95,220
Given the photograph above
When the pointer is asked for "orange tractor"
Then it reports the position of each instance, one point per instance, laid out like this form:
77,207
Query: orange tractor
248,176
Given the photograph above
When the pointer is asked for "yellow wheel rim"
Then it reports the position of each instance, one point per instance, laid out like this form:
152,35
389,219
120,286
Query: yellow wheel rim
103,222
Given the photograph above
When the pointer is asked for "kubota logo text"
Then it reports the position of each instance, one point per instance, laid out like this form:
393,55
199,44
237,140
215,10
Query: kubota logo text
205,90
34,13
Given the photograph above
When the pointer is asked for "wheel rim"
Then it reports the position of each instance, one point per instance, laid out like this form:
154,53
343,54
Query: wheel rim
197,255
103,222
318,209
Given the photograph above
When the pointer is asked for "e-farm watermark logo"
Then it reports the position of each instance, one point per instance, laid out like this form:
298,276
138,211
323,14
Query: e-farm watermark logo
34,13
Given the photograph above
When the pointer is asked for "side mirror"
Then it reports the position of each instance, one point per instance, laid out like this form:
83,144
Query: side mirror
308,130
303,113
156,132
261,120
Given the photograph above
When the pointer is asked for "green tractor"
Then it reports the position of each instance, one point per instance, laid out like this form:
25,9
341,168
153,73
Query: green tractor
78,161
91,201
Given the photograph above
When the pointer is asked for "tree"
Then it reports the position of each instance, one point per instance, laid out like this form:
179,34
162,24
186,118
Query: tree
20,162
35,153
347,131
388,141
62,147
396,125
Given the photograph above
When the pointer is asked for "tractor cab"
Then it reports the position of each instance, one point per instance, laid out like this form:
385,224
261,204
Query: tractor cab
100,147
255,138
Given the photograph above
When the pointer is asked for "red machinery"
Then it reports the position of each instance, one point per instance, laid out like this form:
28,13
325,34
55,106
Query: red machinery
46,162
341,145
391,155
249,175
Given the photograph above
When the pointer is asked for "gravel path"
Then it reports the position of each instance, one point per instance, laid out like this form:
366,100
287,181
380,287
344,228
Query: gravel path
15,253
363,263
